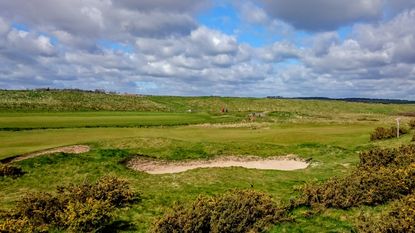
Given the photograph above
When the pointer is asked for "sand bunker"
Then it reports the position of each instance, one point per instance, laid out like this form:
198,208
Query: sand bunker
286,163
77,149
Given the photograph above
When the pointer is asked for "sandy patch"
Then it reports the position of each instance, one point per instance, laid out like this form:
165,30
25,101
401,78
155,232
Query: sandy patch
252,125
76,149
286,163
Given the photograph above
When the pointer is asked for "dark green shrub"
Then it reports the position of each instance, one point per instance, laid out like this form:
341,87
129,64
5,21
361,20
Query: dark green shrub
111,189
400,218
384,133
76,208
398,157
362,187
235,211
10,170
40,208
380,133
17,226
376,157
89,216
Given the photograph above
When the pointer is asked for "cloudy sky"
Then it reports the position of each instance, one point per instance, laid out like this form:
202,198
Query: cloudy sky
333,48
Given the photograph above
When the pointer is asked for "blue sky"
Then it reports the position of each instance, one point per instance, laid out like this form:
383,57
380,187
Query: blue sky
330,48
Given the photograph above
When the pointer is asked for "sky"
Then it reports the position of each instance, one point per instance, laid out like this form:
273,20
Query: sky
257,48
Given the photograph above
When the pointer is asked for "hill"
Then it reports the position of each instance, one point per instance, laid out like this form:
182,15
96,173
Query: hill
79,101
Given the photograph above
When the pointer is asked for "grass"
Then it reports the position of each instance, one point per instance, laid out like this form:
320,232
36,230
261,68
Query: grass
18,142
70,101
25,121
116,127
159,192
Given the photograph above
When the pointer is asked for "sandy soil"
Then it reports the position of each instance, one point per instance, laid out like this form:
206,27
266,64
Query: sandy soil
77,149
286,163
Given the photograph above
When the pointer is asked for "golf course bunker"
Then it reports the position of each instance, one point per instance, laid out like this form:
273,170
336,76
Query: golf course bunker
286,163
76,149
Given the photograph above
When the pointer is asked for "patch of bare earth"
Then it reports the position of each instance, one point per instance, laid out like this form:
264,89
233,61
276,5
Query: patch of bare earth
283,163
252,125
76,149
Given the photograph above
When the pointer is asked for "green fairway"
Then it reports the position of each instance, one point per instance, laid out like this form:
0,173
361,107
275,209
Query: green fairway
18,142
22,121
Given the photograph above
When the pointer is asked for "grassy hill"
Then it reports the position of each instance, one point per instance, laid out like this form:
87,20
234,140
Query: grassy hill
70,101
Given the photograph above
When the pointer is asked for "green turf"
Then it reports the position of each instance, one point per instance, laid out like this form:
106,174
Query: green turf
22,121
18,142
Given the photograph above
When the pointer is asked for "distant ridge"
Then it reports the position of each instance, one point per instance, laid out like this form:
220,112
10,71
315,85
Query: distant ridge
358,100
105,92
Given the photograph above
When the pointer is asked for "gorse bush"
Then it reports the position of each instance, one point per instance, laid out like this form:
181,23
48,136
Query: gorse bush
361,187
10,170
235,211
76,208
400,218
108,189
384,133
91,215
398,157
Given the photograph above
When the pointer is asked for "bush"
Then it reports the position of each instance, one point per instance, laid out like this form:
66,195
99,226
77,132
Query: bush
108,189
77,208
235,211
10,170
376,158
400,218
362,187
412,124
384,133
88,216
17,226
40,208
400,157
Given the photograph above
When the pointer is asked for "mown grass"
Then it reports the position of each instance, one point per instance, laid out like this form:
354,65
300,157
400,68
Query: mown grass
343,135
26,121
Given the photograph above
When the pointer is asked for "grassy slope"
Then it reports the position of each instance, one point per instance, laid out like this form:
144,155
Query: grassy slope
57,101
330,132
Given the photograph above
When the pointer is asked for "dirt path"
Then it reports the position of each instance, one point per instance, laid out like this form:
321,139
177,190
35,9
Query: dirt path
76,149
286,163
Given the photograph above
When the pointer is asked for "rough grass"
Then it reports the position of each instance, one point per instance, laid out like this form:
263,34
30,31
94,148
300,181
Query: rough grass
69,101
160,192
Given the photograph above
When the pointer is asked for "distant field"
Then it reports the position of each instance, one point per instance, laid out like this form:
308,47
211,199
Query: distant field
330,133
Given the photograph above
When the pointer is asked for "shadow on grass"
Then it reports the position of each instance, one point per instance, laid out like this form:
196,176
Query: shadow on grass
119,225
